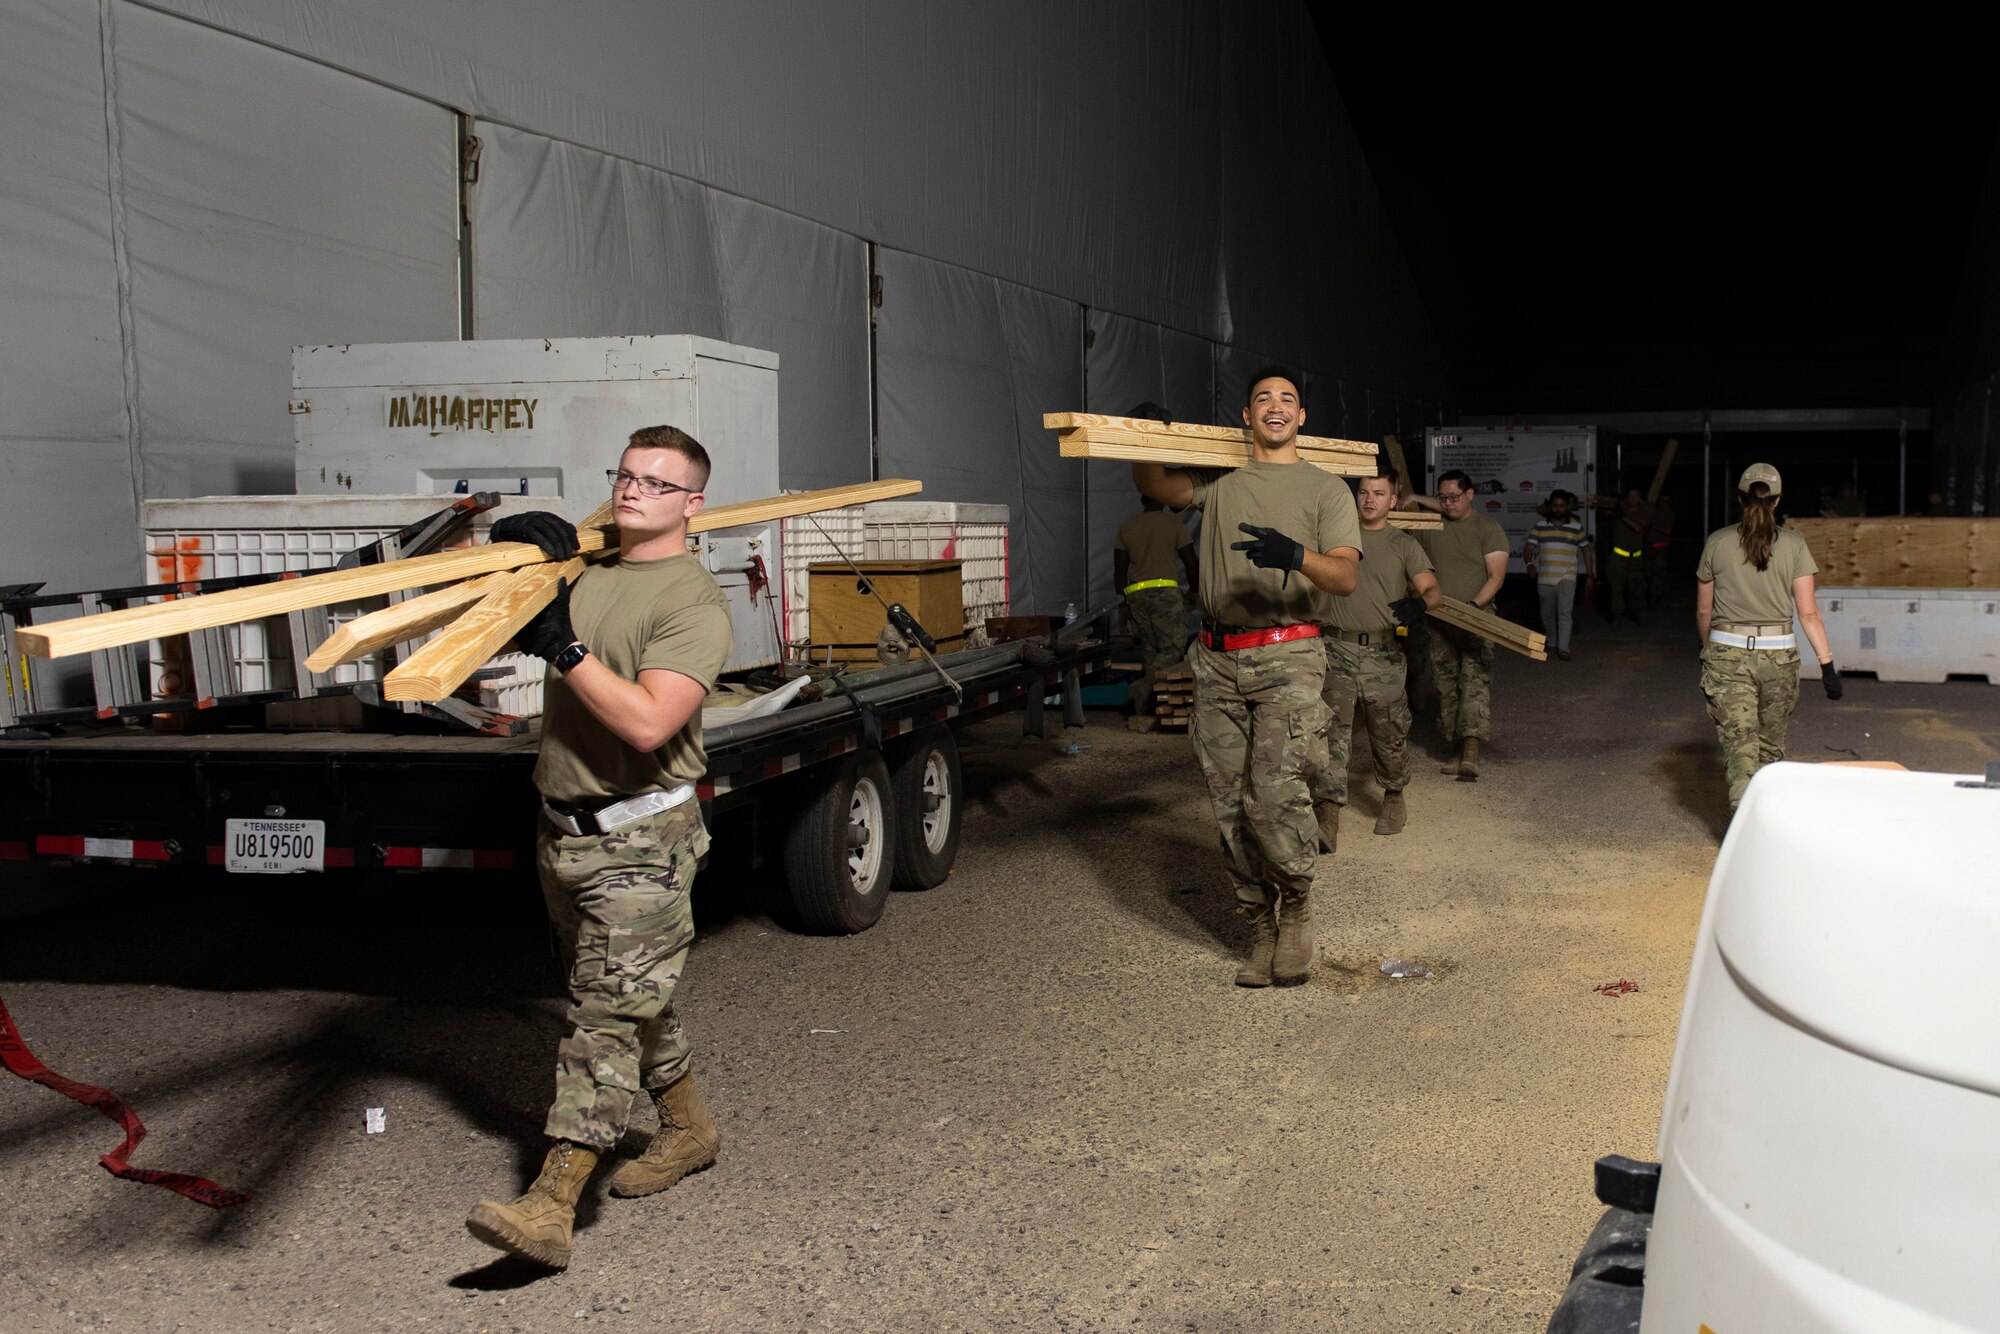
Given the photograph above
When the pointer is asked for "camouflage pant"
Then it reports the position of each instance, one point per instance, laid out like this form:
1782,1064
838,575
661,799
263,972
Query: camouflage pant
1159,623
1751,694
1626,576
1463,663
1659,576
1260,733
1368,678
619,903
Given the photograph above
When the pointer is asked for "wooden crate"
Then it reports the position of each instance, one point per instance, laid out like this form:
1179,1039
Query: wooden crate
1902,552
846,621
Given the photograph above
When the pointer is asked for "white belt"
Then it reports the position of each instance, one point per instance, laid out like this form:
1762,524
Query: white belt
1752,641
620,813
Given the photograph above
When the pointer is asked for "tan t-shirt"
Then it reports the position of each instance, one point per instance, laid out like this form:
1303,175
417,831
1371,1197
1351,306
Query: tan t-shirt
1744,594
634,616
1304,502
1152,541
1390,559
1458,552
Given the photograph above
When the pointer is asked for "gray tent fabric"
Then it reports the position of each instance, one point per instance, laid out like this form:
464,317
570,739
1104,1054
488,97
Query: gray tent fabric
966,366
68,490
801,290
197,185
251,228
573,243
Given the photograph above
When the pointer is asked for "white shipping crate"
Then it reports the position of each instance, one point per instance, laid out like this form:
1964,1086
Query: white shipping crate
947,530
220,537
1910,634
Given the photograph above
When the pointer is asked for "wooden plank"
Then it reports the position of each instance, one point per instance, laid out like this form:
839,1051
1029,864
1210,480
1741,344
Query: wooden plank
1660,473
1486,624
403,621
1416,521
441,666
1068,421
1405,482
1505,633
86,634
436,669
1086,444
1903,552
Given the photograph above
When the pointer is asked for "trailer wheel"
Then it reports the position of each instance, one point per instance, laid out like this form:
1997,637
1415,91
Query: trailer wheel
930,806
840,849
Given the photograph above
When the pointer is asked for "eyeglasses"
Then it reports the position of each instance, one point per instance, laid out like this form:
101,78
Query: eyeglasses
651,487
1453,495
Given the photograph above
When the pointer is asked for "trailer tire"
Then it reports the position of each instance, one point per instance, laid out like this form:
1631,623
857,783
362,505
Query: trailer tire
930,806
840,849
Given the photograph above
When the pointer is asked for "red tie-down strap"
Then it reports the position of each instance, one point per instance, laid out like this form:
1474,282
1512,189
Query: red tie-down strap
24,1063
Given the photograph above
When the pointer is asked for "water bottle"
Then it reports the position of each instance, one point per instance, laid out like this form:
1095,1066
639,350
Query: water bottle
1069,614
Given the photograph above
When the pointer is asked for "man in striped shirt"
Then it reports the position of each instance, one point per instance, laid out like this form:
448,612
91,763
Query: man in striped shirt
1556,549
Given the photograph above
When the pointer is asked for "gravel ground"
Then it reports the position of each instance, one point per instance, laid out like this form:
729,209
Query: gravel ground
1030,1098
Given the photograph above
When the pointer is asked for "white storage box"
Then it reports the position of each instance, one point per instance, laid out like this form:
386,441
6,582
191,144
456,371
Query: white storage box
219,537
945,530
1910,634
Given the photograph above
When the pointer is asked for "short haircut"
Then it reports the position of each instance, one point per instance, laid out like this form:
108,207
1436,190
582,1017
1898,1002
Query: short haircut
1149,411
679,441
1386,475
1560,494
1275,373
1456,475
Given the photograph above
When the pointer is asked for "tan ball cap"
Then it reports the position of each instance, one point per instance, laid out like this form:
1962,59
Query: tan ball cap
1761,472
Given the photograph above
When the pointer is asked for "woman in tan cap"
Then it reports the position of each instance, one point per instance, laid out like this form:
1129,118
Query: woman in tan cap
1755,579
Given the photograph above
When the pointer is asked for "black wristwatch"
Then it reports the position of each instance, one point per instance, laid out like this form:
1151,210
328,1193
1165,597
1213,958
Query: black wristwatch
569,658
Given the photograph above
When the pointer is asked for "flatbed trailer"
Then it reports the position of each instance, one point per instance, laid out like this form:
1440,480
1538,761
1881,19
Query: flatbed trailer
853,793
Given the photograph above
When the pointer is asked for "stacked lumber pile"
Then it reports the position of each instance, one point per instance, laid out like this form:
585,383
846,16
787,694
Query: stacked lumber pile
1903,552
1173,697
1093,435
489,593
1519,638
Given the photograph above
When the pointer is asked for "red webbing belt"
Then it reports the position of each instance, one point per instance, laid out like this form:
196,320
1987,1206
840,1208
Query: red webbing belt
1282,634
24,1063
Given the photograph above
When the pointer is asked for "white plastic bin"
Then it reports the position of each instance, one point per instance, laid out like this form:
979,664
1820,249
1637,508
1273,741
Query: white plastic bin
826,536
1910,634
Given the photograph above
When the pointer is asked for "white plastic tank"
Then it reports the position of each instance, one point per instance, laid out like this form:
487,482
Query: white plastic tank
1830,1142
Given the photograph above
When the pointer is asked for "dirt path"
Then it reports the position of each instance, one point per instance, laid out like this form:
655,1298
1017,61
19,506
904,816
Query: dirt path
1028,1099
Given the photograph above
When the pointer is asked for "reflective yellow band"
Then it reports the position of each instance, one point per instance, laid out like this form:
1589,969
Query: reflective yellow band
1152,583
1621,551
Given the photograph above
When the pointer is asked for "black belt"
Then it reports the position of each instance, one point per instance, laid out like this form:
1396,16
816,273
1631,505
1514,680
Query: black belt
1361,637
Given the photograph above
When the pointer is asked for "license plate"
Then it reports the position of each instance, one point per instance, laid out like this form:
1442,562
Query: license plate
274,847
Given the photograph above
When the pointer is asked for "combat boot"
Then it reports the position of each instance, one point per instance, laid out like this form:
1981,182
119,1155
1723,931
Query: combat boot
1450,766
1468,760
1394,816
538,1224
685,1142
1328,813
1291,963
1256,969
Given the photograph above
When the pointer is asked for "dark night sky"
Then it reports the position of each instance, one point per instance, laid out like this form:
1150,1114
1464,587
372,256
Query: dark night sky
1665,230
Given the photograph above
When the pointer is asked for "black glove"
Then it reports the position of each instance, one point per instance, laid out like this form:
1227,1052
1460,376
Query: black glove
551,532
1829,676
1271,550
548,632
1408,611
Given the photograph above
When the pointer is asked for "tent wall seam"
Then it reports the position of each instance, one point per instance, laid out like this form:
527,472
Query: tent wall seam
114,184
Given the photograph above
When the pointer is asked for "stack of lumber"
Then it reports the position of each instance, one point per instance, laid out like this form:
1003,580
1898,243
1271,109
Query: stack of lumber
1903,552
490,592
1519,638
1093,435
1173,697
